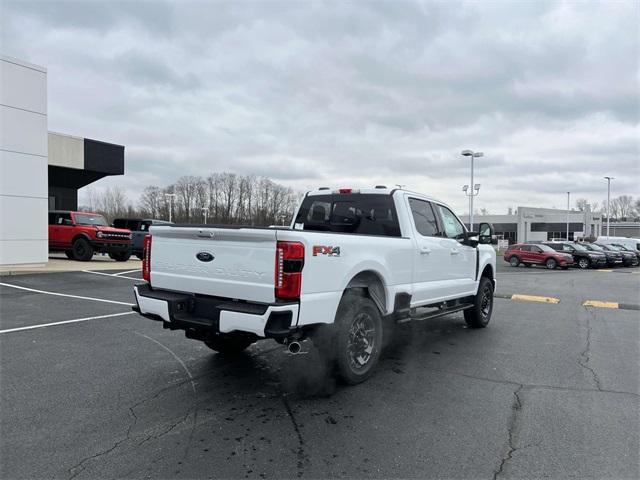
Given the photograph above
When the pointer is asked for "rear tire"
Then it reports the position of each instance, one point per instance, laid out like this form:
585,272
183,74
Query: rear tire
584,263
230,344
82,250
514,261
551,263
120,256
140,256
480,314
356,342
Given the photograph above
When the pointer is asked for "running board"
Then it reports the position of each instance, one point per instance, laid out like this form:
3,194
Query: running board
436,314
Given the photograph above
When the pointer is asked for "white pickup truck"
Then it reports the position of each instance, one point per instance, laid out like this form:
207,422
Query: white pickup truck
352,266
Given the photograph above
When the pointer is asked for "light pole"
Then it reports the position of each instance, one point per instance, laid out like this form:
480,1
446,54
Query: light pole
608,200
204,212
568,195
170,195
475,188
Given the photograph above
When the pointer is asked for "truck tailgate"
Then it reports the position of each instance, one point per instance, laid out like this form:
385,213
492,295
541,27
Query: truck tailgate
225,262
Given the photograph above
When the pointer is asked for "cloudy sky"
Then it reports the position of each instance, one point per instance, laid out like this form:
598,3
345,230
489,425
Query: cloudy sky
350,93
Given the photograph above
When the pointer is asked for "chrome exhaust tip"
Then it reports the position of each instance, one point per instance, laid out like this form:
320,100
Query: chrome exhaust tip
294,347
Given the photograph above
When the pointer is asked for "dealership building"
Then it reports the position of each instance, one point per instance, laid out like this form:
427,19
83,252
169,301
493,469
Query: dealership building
528,224
39,170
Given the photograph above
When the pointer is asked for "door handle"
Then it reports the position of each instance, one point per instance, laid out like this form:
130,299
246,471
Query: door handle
425,250
455,251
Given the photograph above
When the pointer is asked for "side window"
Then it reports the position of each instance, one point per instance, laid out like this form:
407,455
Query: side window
452,226
525,248
52,218
64,219
424,218
535,249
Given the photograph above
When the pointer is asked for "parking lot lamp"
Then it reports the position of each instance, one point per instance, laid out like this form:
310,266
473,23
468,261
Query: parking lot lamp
170,195
568,195
608,200
473,189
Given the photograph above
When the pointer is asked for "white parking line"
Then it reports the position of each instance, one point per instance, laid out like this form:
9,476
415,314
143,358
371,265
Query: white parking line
65,294
42,325
128,271
112,274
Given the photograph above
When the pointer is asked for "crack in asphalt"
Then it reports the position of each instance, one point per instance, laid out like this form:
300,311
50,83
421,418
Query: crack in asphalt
516,406
164,432
585,355
301,453
532,386
80,466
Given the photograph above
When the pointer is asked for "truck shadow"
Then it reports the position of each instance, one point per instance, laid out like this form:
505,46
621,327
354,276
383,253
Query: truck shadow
309,375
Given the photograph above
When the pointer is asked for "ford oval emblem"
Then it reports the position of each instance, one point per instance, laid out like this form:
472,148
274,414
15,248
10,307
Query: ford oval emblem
204,256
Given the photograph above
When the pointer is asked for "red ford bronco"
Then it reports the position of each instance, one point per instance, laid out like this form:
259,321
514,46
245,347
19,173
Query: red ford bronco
81,234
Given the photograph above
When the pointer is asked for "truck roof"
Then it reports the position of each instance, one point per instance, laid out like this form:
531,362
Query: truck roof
378,189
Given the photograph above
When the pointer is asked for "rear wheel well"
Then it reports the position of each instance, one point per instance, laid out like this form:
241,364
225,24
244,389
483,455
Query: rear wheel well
369,284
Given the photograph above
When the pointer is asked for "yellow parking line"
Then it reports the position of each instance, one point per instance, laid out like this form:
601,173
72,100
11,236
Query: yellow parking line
599,304
603,270
534,298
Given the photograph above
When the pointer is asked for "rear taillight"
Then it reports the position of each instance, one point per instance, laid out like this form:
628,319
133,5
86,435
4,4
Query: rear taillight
146,259
288,276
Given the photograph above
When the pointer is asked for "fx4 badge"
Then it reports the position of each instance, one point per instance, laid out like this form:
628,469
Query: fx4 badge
329,251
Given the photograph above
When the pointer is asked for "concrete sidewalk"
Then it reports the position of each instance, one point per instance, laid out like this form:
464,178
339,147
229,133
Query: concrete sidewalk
60,263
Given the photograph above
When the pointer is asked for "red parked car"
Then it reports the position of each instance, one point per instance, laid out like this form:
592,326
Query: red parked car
537,254
81,234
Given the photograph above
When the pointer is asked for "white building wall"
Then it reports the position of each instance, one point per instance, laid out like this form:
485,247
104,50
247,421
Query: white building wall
23,163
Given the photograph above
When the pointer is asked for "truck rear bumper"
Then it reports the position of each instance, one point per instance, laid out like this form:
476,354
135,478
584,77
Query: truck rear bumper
200,316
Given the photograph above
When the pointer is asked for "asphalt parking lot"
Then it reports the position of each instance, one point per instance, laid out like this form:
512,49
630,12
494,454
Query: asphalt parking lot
550,389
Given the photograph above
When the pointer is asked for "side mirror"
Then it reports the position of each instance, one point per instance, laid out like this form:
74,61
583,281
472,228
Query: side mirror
485,233
470,239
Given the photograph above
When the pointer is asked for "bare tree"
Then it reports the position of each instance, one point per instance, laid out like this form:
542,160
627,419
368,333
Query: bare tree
151,202
624,205
581,204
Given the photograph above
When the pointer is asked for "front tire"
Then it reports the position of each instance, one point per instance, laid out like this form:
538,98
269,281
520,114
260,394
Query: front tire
551,263
514,261
120,256
82,250
357,339
230,344
480,314
69,254
584,263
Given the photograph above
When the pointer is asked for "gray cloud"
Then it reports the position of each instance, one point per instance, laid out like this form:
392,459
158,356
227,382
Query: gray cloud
349,92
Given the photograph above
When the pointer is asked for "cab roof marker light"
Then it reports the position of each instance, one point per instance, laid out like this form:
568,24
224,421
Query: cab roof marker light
344,191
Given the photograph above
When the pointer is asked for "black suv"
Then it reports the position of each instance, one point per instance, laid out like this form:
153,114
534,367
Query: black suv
629,259
583,257
614,259
139,229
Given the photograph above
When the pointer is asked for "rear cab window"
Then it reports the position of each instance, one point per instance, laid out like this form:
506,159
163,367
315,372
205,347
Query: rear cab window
356,213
